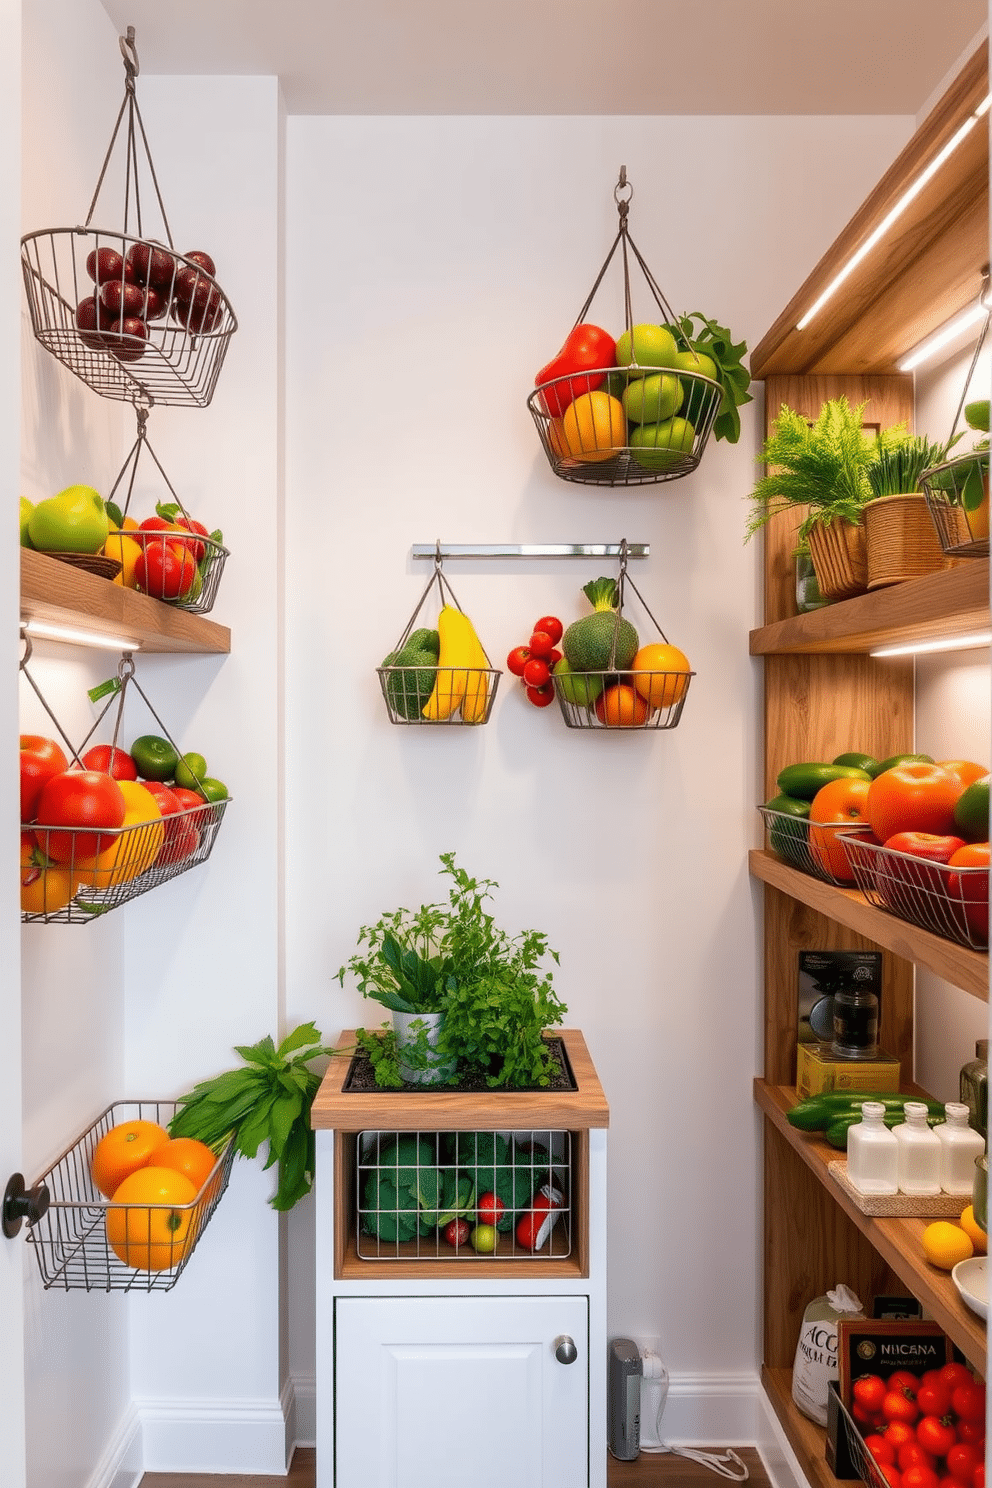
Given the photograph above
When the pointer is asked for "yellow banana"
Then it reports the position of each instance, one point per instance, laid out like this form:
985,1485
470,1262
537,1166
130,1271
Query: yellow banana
476,698
454,631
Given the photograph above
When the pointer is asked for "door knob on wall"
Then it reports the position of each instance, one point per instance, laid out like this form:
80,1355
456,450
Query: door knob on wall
565,1350
20,1203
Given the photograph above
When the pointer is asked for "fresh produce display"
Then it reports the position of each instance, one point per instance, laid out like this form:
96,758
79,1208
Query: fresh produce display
925,1430
122,1150
103,823
535,662
470,1186
834,1112
74,521
144,285
437,675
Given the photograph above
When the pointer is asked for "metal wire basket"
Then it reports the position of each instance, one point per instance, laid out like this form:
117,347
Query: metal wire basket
634,425
957,490
815,849
616,698
952,902
70,1239
70,874
421,1195
121,308
863,1462
424,691
191,583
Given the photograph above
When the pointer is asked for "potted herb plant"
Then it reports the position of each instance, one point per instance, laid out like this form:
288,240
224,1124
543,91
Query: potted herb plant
820,471
902,541
488,993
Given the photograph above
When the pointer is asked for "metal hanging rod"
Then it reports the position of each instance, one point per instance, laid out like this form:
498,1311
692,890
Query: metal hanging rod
529,550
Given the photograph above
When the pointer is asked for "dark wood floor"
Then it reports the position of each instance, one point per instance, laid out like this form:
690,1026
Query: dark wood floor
650,1469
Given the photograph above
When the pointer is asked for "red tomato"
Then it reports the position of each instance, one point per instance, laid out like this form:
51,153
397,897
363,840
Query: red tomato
457,1231
165,570
933,1396
541,696
898,1407
490,1209
115,762
869,1391
196,548
181,837
968,1401
879,1448
911,1454
79,798
954,1374
891,1474
934,1436
517,660
551,625
841,802
898,1434
972,1432
972,888
978,1481
41,758
587,347
907,1383
537,673
554,658
920,1477
867,1419
541,644
936,849
912,797
962,1459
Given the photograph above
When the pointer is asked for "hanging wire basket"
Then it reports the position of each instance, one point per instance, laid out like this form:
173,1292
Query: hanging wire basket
120,308
72,874
428,678
85,1242
640,693
629,425
957,490
182,570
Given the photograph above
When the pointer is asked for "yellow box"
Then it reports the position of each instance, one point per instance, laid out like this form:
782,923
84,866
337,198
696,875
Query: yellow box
819,1069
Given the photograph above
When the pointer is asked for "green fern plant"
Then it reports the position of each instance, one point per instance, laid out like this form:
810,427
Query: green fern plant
822,466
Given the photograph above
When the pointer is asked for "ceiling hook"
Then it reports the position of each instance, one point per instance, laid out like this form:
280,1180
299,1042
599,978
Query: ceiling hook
623,185
28,648
130,54
438,560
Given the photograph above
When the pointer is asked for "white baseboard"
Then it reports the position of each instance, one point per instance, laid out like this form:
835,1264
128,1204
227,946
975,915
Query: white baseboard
121,1465
221,1436
304,1388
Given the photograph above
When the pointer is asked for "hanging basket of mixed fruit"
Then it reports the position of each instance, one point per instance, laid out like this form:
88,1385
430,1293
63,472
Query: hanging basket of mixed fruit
121,308
639,409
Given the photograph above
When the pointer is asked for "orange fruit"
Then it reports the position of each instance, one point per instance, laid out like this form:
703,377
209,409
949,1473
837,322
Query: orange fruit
594,426
621,707
973,1230
839,803
661,691
557,440
186,1155
945,1243
144,1230
122,1150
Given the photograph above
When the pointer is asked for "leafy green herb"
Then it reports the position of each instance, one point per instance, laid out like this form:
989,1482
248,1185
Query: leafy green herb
716,341
269,1101
895,468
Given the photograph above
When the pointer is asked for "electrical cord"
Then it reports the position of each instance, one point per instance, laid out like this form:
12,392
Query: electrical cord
728,1464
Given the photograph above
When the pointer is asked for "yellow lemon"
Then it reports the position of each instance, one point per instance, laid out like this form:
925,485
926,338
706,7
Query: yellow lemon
127,552
944,1244
134,848
974,1231
594,426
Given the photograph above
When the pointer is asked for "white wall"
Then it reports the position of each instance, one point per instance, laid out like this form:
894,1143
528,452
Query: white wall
432,266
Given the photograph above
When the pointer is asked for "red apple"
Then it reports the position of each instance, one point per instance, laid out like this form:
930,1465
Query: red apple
103,264
41,759
122,298
92,319
151,264
126,338
203,260
116,762
908,877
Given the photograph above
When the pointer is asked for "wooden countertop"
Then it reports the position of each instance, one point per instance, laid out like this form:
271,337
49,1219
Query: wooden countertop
450,1110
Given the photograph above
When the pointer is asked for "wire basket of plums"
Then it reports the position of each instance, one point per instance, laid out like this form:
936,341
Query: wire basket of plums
126,312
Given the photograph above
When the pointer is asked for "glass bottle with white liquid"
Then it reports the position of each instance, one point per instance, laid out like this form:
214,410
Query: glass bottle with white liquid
960,1144
918,1166
872,1152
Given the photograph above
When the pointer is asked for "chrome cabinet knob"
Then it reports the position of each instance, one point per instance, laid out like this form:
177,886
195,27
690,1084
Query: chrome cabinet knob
565,1350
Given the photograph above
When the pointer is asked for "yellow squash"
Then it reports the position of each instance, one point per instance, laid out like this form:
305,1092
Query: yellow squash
458,666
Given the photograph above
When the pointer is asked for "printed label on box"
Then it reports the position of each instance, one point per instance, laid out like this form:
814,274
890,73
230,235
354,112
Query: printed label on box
871,1346
819,1069
821,974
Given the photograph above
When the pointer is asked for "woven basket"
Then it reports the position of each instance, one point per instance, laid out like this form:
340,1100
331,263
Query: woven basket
902,540
839,557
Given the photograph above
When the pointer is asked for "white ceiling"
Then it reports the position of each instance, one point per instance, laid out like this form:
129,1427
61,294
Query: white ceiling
567,56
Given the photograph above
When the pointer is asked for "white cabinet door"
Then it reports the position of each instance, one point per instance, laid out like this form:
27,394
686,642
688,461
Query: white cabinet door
437,1392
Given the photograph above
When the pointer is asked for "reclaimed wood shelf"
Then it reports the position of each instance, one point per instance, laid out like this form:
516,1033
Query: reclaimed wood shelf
58,594
897,1241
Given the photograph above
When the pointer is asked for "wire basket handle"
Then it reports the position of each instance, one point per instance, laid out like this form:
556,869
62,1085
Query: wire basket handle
25,658
130,466
985,298
445,593
129,105
623,580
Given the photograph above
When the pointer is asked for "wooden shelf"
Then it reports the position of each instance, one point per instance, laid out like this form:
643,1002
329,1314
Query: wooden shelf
927,268
949,604
967,969
59,594
898,1241
806,1439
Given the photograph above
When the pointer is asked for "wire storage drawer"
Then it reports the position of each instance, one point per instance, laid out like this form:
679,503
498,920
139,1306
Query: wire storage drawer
464,1195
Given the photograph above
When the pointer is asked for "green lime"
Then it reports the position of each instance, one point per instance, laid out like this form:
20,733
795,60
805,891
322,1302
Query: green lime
971,812
155,757
190,770
214,790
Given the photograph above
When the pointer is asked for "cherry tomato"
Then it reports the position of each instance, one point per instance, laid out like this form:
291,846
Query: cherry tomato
542,645
551,626
935,1436
912,1454
490,1208
956,1374
898,1407
906,1383
456,1232
934,1397
541,696
962,1461
536,673
869,1391
920,1477
891,1474
972,1432
968,1402
517,660
897,1433
978,1481
867,1419
554,658
115,762
879,1448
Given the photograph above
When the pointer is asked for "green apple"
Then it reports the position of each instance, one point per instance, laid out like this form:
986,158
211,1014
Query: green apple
27,507
659,446
484,1238
696,361
650,400
74,521
579,690
653,346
